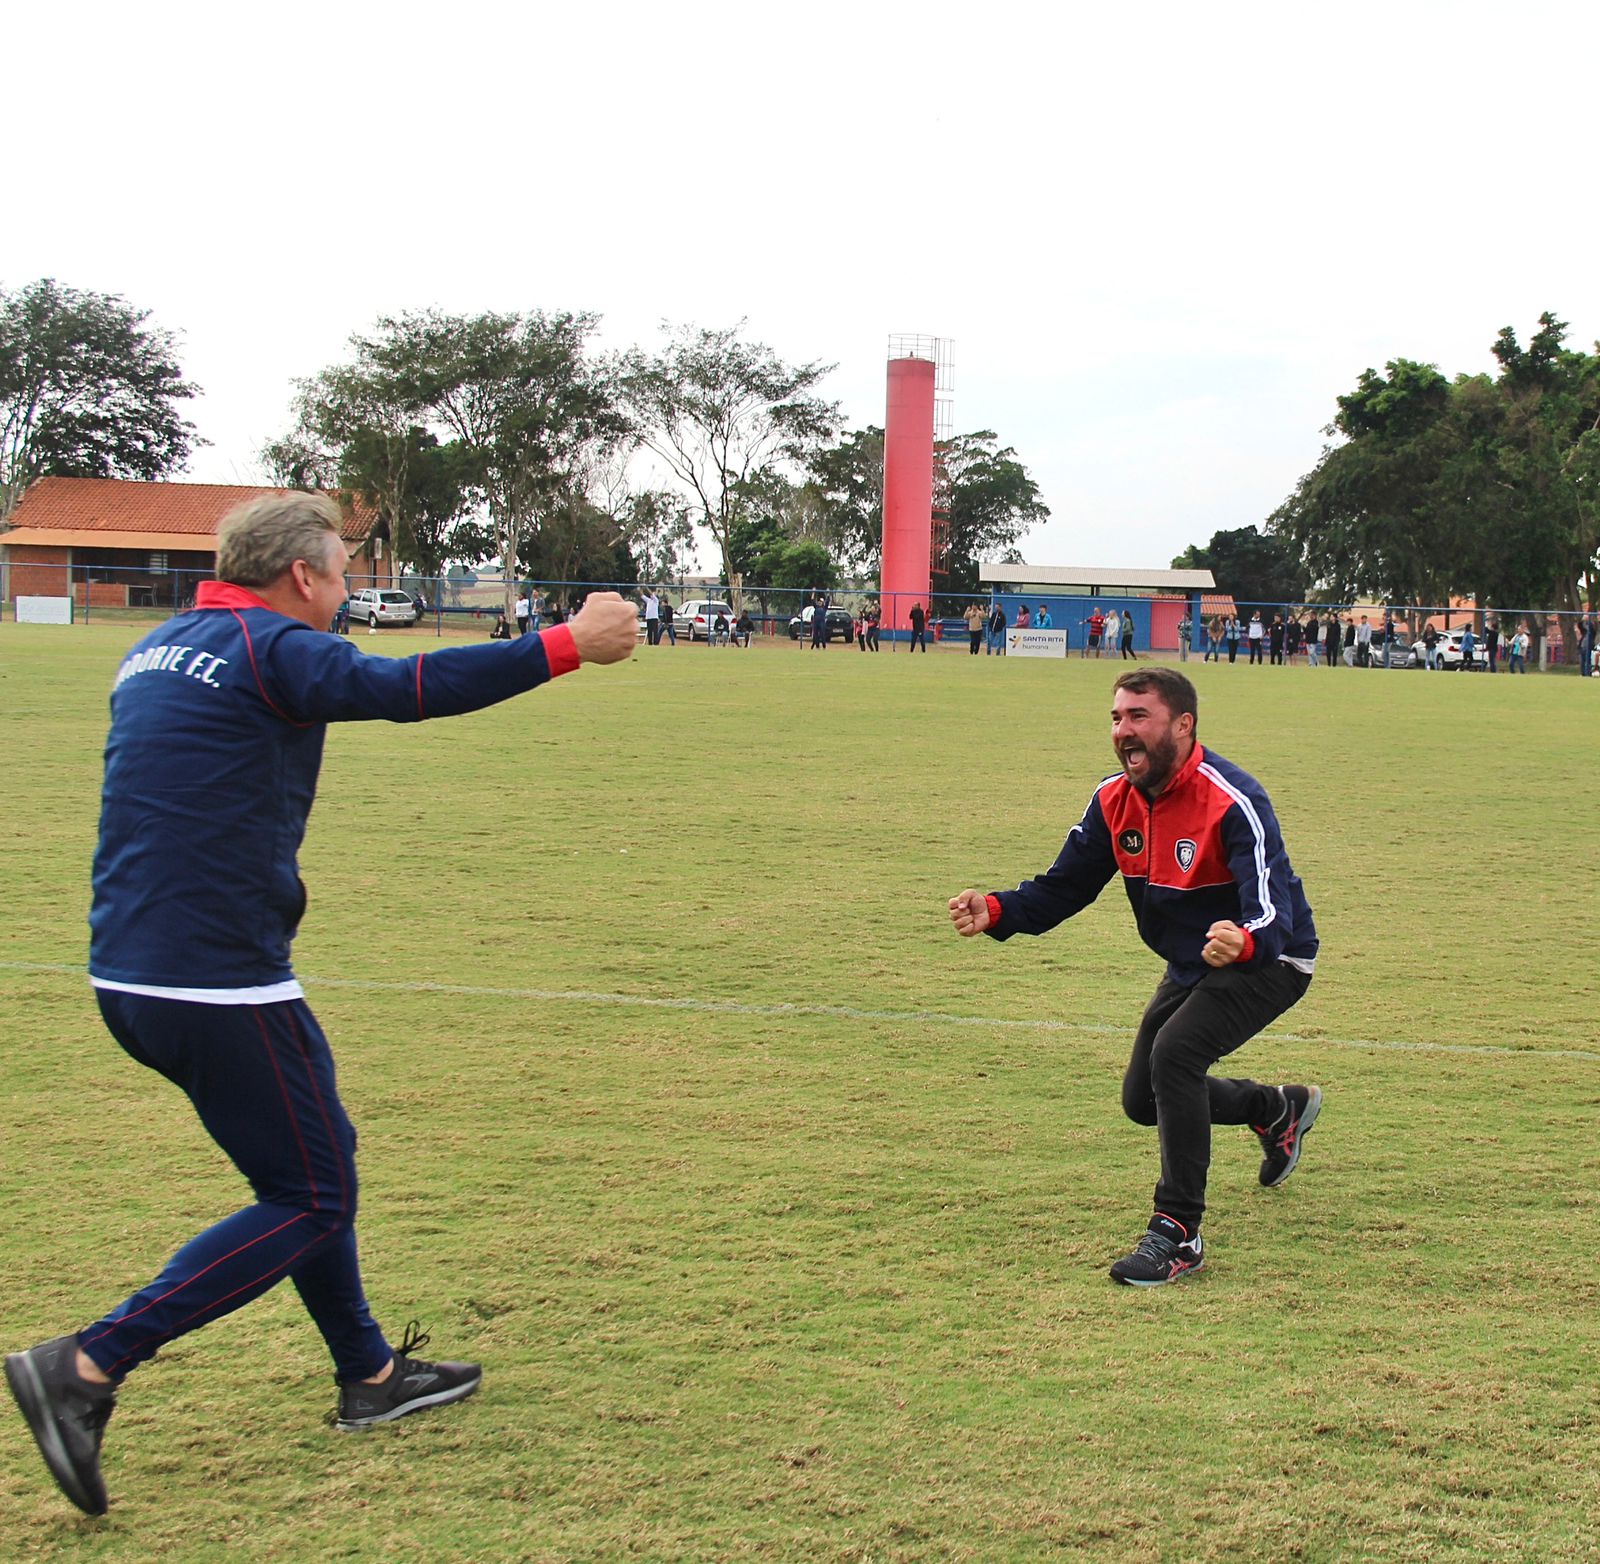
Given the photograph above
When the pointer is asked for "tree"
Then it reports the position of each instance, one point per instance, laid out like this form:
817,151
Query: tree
718,410
1249,566
530,415
993,503
88,389
357,428
1487,486
659,535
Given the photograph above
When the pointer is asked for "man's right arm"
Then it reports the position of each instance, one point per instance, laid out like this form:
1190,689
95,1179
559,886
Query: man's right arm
1082,868
319,678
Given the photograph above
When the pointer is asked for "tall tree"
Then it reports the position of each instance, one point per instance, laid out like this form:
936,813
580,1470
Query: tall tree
717,409
1250,566
358,427
658,532
88,389
530,412
993,503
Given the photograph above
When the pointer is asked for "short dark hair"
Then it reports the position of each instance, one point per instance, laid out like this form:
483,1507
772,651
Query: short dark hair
1176,692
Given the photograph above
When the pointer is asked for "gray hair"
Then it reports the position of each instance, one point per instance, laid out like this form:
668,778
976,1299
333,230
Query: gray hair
262,538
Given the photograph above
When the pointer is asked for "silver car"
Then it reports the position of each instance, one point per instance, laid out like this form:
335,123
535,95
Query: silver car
373,606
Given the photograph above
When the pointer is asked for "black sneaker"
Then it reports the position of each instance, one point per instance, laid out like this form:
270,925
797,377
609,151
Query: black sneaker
1282,1139
411,1386
67,1415
1166,1252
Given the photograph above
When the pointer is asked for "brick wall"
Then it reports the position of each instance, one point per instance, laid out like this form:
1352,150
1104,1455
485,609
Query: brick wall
39,572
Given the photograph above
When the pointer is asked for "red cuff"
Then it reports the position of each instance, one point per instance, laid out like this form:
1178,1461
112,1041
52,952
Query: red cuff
560,650
1249,945
994,911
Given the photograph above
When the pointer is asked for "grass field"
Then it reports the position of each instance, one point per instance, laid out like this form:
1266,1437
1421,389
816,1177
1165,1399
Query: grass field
779,1216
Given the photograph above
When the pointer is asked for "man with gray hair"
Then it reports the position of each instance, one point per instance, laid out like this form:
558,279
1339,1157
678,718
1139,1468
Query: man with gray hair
217,726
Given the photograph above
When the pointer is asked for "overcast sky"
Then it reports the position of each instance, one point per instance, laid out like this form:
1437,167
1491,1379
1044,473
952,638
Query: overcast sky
1163,238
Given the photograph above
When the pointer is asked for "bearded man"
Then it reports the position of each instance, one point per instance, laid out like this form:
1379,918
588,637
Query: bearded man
1214,893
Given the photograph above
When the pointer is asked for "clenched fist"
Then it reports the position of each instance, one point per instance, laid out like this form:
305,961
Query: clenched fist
605,629
969,911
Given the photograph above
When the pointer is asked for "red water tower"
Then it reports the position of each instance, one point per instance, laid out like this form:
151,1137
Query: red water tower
917,370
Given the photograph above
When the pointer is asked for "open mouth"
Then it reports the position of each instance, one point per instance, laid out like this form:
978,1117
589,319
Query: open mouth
1133,755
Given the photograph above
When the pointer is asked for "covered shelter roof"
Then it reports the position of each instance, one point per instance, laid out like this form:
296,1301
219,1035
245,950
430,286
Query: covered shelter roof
1096,578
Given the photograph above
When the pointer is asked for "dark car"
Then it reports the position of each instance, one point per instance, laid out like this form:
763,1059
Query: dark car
841,624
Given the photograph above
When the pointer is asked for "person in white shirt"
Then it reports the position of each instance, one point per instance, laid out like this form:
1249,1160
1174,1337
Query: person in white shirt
1113,629
521,615
1256,633
652,617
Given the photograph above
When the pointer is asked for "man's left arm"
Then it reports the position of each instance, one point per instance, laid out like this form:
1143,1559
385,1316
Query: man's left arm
1260,870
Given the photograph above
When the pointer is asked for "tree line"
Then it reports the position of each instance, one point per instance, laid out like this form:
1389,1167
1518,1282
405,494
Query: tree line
508,438
1485,486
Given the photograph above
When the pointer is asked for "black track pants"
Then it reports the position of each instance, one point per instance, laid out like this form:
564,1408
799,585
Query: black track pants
1184,1032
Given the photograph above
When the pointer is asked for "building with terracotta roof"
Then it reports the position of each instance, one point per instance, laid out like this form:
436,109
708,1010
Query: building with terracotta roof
118,542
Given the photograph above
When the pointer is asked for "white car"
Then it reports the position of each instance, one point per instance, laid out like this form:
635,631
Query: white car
1447,654
695,619
372,607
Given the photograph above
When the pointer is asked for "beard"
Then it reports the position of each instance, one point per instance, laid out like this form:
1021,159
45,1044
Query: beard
1160,759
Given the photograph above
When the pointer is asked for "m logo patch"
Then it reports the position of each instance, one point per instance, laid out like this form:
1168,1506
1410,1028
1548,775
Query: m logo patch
1185,851
1131,841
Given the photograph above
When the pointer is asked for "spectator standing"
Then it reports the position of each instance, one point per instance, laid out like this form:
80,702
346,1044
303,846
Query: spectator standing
1331,641
1231,633
919,628
1113,633
974,617
1294,634
535,607
874,615
1469,648
668,627
1313,633
1214,631
1491,642
1024,618
1275,641
1352,638
1096,626
997,631
1256,634
1430,644
521,612
1518,652
819,622
1388,637
652,617
1586,644
1127,634
1042,619
1185,630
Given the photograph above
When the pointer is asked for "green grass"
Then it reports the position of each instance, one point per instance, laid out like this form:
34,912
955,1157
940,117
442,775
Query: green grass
792,1285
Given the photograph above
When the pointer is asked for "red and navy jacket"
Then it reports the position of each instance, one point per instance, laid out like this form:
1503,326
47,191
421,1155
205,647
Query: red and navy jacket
217,725
1206,849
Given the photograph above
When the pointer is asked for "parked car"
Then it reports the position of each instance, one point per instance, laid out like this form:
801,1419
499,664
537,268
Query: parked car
1449,651
841,624
372,607
695,619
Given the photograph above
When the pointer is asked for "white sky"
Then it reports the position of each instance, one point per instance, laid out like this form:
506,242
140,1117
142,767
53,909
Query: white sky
1163,238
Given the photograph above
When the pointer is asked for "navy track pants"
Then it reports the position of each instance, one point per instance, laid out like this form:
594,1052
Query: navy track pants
261,1078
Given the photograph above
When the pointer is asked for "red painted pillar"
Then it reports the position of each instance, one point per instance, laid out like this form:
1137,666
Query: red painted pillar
907,490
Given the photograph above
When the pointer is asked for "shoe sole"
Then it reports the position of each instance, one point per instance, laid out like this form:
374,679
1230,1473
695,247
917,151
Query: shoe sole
438,1399
1163,1281
1307,1119
33,1401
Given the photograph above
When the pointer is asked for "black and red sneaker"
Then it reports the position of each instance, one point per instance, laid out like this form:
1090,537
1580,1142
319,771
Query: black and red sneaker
1166,1252
1282,1139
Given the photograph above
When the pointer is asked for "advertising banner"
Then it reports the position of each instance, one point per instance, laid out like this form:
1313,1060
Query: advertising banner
1036,643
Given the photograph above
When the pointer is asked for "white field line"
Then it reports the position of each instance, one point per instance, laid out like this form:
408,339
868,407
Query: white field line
855,1013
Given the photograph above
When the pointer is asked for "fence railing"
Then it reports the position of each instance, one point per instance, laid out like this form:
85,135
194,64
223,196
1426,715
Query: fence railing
466,601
